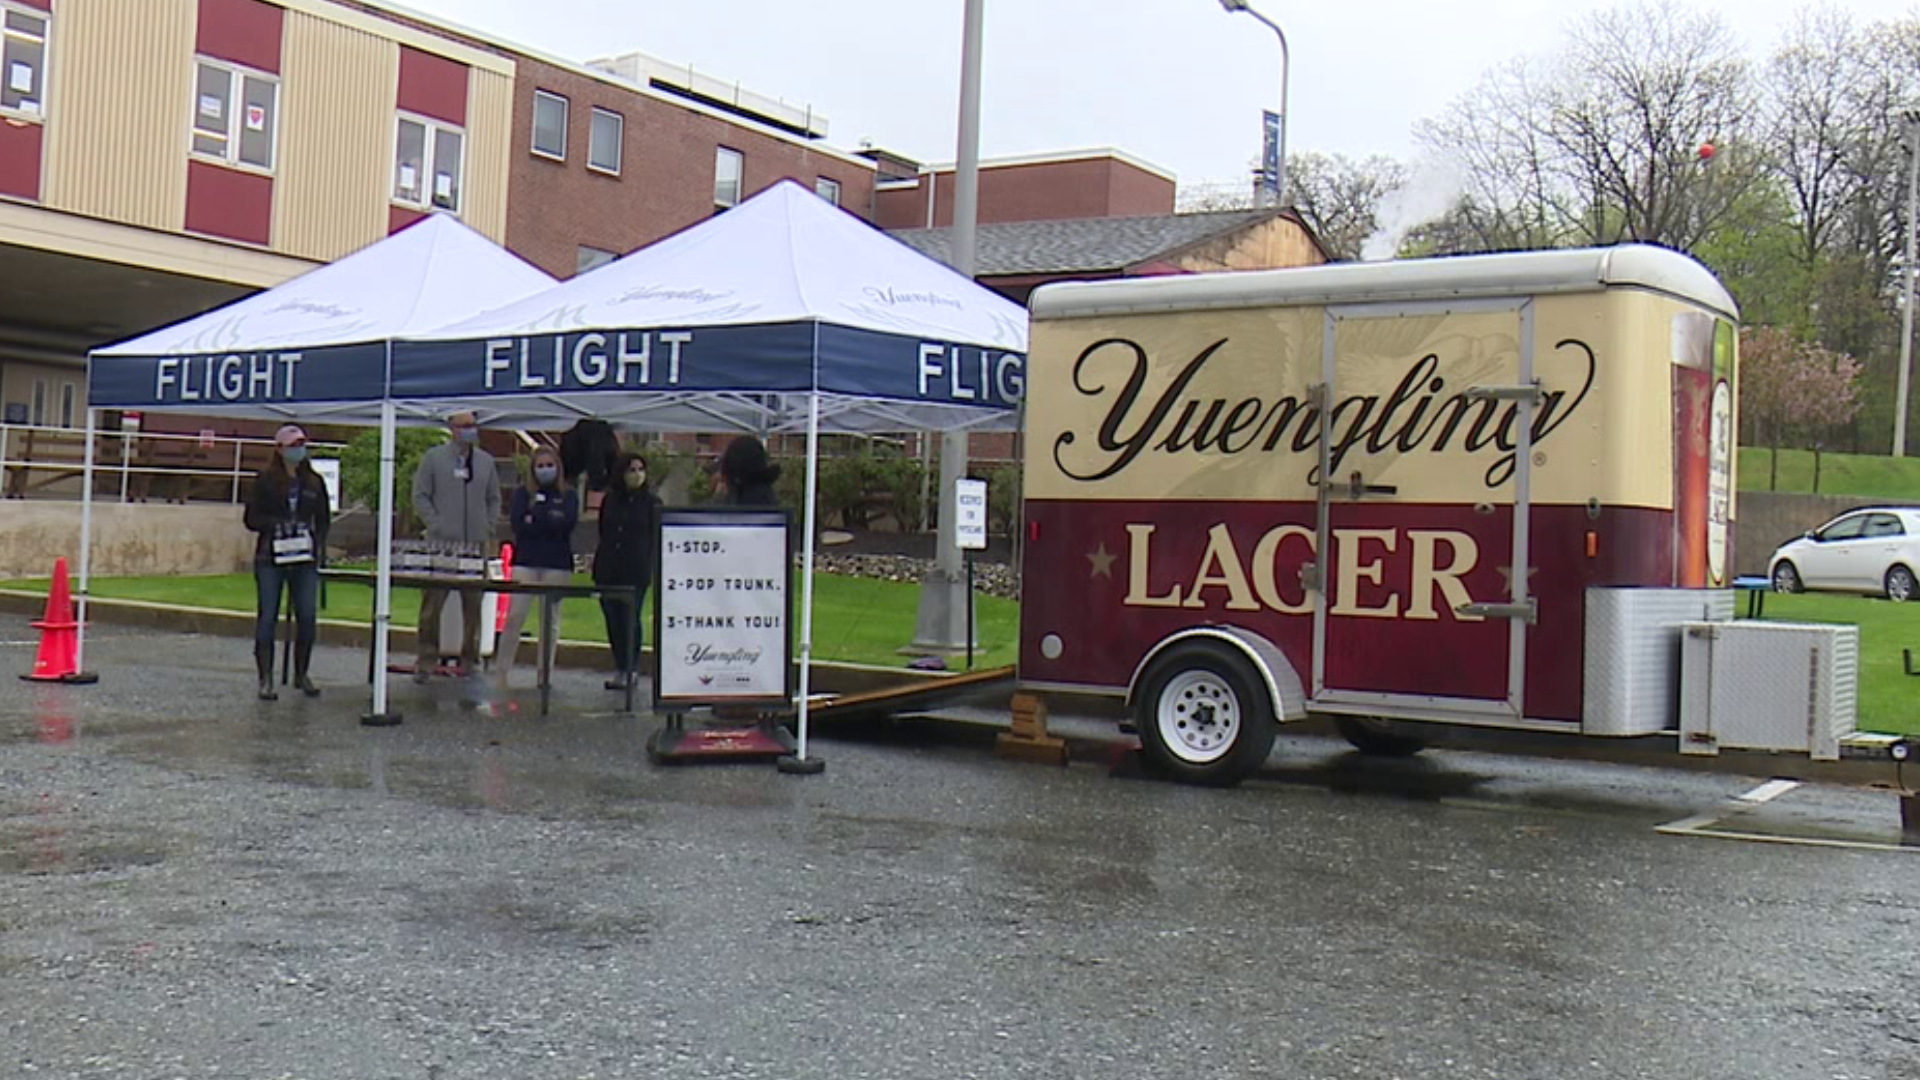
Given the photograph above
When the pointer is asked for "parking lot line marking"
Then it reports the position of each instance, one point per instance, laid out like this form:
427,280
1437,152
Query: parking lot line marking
1767,792
1805,841
1738,804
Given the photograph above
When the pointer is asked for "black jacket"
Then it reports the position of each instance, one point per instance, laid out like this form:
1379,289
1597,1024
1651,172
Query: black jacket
754,493
267,508
628,520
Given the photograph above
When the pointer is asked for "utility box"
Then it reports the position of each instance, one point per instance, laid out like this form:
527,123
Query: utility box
1768,686
1632,662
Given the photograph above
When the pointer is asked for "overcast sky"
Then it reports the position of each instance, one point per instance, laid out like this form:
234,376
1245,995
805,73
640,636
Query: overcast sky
1179,83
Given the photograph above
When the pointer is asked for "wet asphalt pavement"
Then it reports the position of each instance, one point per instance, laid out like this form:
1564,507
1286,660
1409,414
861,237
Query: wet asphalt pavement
196,884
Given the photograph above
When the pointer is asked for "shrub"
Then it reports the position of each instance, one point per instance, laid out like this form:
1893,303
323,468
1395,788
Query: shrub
360,470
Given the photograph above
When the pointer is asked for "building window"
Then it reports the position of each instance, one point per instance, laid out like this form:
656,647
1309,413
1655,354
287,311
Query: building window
39,402
827,189
727,167
550,125
426,165
603,145
234,114
67,396
23,62
592,258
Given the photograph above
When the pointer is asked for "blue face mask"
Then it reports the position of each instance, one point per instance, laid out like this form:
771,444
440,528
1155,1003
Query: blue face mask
466,436
293,455
546,474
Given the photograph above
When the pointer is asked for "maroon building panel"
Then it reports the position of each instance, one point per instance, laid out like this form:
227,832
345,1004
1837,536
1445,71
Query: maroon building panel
229,203
399,217
43,5
665,182
20,159
245,32
1091,187
433,86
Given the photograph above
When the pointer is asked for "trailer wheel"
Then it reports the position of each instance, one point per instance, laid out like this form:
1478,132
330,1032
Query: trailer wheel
1203,718
1900,584
1378,737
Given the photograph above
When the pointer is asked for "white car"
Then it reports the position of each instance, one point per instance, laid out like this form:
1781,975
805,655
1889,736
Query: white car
1874,550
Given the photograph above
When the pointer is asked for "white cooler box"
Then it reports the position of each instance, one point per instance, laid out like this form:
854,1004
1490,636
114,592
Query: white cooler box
1768,686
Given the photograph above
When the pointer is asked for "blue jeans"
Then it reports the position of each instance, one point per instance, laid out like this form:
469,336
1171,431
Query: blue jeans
304,581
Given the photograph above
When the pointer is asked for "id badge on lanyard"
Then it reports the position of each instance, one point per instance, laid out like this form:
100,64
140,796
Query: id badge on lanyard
292,544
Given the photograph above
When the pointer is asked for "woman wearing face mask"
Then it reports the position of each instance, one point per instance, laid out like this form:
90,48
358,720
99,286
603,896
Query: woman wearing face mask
288,509
543,513
625,557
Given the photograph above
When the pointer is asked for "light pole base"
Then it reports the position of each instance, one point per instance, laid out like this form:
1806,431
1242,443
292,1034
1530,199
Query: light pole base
941,625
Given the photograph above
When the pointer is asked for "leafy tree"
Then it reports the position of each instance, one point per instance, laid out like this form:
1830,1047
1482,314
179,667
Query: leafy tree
1794,389
360,470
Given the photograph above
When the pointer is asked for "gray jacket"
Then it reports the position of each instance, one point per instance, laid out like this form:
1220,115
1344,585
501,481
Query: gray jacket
453,508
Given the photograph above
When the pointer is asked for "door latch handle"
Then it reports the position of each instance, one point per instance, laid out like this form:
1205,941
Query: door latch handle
1309,577
1527,610
1356,488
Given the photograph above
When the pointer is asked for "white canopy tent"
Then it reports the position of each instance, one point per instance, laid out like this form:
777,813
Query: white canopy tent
318,348
781,315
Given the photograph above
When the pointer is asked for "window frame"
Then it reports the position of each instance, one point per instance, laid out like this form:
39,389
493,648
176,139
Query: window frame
69,404
594,113
724,153
821,183
38,114
429,153
566,118
37,407
237,76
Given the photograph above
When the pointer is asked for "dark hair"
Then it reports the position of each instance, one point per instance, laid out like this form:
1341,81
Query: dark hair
617,473
745,462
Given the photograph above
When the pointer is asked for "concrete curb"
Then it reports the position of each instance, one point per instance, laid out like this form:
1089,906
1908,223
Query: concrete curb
828,678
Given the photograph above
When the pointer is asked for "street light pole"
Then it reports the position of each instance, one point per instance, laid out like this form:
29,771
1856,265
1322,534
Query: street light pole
1286,69
1912,119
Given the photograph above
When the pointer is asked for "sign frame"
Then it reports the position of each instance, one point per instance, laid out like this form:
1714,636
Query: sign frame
705,519
969,529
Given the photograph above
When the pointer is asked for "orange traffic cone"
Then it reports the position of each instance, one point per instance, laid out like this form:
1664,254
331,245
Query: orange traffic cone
59,636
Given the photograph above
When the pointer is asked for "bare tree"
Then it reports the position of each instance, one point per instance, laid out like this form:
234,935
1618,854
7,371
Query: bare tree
1644,86
1824,104
1498,134
1340,198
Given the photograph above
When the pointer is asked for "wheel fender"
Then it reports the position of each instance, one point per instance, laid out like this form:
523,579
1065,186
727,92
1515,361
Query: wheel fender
1282,682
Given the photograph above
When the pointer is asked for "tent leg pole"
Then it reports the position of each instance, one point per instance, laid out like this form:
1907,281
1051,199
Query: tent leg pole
86,545
800,762
379,715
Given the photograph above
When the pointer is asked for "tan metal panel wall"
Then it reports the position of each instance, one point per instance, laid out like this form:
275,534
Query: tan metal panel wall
338,86
119,91
489,144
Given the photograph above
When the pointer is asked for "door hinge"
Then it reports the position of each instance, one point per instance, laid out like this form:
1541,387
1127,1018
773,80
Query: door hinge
1309,577
1527,610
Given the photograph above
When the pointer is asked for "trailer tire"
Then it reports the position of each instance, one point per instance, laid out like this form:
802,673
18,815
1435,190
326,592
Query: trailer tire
1378,737
1204,717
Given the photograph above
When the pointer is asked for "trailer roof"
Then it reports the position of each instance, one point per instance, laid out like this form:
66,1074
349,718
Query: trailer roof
1523,273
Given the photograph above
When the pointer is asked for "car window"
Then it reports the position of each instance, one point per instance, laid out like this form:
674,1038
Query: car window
1884,525
1847,528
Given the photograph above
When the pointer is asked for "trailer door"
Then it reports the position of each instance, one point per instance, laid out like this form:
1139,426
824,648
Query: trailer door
1426,424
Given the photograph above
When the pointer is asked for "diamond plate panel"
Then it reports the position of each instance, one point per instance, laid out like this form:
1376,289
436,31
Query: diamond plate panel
1769,686
1632,661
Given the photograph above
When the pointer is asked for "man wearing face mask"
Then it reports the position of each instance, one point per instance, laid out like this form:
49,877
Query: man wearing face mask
625,557
456,492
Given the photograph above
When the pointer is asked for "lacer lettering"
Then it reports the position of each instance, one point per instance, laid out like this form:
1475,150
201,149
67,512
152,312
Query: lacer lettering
1270,578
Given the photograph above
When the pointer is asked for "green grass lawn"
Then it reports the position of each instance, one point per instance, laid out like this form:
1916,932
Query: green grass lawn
1868,476
855,620
1889,698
